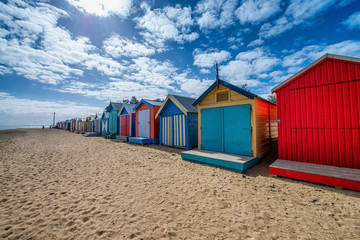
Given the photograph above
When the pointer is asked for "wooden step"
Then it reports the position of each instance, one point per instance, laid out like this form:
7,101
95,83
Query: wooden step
324,174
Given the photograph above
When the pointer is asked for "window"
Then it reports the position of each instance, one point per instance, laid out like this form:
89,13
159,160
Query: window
222,96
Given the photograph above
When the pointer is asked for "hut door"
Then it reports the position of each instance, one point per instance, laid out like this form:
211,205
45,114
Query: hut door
113,122
226,129
237,130
167,131
212,129
105,126
144,123
124,125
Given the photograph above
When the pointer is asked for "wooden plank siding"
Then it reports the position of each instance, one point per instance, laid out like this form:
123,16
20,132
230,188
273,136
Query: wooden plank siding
319,115
154,123
142,106
266,126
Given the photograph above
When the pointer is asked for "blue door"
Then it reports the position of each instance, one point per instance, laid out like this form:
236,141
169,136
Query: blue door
237,130
226,129
212,129
113,122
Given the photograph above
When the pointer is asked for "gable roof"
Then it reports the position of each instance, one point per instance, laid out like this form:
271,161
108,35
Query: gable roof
150,103
98,115
115,105
183,103
325,56
128,107
230,86
105,115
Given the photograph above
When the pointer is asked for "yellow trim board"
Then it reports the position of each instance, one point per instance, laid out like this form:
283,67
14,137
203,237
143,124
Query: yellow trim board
181,107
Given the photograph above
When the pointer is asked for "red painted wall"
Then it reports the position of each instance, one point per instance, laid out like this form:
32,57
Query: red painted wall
319,115
154,123
155,128
124,130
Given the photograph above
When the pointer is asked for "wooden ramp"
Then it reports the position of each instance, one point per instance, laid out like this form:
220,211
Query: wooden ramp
234,162
141,140
328,175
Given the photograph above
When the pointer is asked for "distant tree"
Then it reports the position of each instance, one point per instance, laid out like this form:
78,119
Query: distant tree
158,100
126,101
134,100
245,87
272,98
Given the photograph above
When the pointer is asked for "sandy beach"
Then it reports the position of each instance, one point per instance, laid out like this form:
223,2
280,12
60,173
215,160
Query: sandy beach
57,184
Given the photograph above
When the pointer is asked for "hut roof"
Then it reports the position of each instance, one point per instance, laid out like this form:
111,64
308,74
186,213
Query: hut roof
183,103
325,56
230,86
151,103
129,107
115,105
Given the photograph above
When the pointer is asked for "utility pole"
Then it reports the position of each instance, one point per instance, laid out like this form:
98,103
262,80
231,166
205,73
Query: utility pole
54,120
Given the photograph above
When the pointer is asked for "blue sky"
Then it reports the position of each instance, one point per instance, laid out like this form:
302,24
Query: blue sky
71,57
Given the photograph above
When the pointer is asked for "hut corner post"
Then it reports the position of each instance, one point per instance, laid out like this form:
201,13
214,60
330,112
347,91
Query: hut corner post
160,135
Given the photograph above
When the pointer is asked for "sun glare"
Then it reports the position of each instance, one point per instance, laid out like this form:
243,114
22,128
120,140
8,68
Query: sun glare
103,8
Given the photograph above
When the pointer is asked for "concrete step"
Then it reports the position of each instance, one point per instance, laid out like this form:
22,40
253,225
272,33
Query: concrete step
121,138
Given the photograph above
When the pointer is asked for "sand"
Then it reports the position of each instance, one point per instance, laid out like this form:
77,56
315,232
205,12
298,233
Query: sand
56,184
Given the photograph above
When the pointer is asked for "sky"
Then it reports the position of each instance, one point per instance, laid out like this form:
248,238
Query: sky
72,57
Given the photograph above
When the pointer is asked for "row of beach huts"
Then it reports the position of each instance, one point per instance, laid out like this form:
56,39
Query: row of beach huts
315,124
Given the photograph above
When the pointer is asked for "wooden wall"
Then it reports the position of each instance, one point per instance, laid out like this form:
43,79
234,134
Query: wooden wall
142,106
154,123
266,126
319,115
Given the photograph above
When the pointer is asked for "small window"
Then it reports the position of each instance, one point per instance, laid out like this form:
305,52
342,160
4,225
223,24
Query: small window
222,96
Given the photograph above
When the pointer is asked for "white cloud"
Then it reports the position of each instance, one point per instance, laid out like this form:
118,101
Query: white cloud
279,76
48,52
298,12
152,72
312,52
169,23
205,70
248,67
192,86
116,89
104,8
255,11
143,77
209,58
215,13
257,42
353,22
104,65
4,70
15,110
